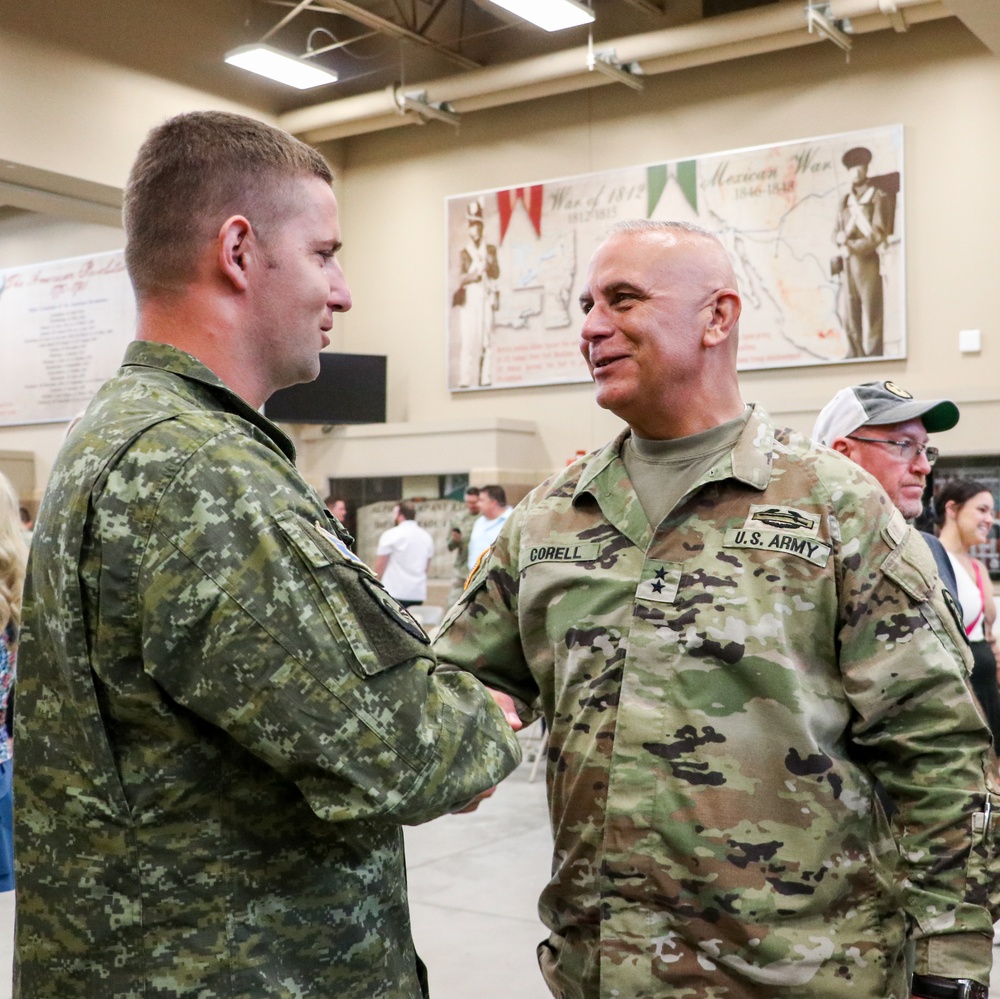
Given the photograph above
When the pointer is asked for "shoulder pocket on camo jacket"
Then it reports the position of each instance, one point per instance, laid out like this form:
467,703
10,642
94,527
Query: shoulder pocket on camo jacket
375,631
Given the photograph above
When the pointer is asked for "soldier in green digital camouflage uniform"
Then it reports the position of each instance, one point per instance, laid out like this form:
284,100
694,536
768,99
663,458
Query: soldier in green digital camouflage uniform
223,717
723,688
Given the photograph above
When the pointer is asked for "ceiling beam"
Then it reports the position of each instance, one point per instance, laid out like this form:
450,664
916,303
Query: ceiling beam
771,28
982,19
356,13
429,20
290,16
32,199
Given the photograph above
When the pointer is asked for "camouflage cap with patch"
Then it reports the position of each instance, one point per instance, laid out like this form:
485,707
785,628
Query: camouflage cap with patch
875,404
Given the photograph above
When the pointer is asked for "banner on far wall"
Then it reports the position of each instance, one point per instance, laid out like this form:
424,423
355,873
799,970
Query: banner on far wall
64,326
814,228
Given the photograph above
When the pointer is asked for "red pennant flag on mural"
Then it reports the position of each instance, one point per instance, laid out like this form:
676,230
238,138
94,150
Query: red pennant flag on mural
530,197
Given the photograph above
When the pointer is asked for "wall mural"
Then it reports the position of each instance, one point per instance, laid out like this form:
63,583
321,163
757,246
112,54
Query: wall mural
814,227
64,326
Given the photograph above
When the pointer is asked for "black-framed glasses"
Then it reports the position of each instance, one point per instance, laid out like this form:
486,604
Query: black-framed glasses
908,450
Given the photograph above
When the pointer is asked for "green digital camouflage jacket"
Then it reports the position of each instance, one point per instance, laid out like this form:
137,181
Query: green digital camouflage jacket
222,718
721,693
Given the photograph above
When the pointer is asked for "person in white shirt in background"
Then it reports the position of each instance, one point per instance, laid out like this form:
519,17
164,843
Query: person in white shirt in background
493,511
403,557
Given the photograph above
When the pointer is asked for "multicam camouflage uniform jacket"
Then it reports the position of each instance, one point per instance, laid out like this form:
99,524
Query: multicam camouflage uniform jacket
222,718
721,693
462,523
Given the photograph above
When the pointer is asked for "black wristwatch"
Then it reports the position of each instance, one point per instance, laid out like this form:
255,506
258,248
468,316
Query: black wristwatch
935,987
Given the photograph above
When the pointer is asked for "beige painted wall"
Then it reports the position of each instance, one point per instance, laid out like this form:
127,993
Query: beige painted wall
82,120
937,80
73,115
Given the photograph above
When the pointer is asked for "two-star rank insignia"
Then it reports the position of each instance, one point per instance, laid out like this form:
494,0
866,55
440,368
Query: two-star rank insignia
660,581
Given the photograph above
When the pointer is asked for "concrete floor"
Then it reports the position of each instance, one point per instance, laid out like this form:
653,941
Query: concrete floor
474,881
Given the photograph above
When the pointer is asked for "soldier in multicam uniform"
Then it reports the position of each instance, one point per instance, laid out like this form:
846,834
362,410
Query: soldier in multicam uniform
223,717
458,542
732,634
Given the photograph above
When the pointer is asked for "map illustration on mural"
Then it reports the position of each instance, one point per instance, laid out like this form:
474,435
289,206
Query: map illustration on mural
814,228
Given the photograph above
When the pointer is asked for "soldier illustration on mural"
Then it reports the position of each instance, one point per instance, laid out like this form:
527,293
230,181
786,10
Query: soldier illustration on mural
477,296
865,219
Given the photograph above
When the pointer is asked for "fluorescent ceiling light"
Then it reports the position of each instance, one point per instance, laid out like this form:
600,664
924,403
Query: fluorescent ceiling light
266,61
552,15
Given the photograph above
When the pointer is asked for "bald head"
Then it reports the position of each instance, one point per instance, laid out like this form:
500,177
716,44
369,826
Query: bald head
673,233
660,332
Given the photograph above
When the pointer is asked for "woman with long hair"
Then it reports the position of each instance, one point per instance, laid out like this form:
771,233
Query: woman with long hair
13,557
964,517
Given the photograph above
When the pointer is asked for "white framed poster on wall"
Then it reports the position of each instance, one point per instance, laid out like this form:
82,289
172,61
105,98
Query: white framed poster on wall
64,327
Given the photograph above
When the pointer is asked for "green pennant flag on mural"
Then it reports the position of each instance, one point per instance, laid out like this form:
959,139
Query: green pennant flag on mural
657,176
656,181
687,179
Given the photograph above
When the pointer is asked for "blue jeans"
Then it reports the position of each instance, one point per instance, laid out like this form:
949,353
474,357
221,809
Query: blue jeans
7,826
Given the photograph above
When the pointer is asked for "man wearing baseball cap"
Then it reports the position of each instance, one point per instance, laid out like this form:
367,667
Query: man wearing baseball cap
882,428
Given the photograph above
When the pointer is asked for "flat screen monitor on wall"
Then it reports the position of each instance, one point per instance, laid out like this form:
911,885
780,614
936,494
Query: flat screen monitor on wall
350,389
